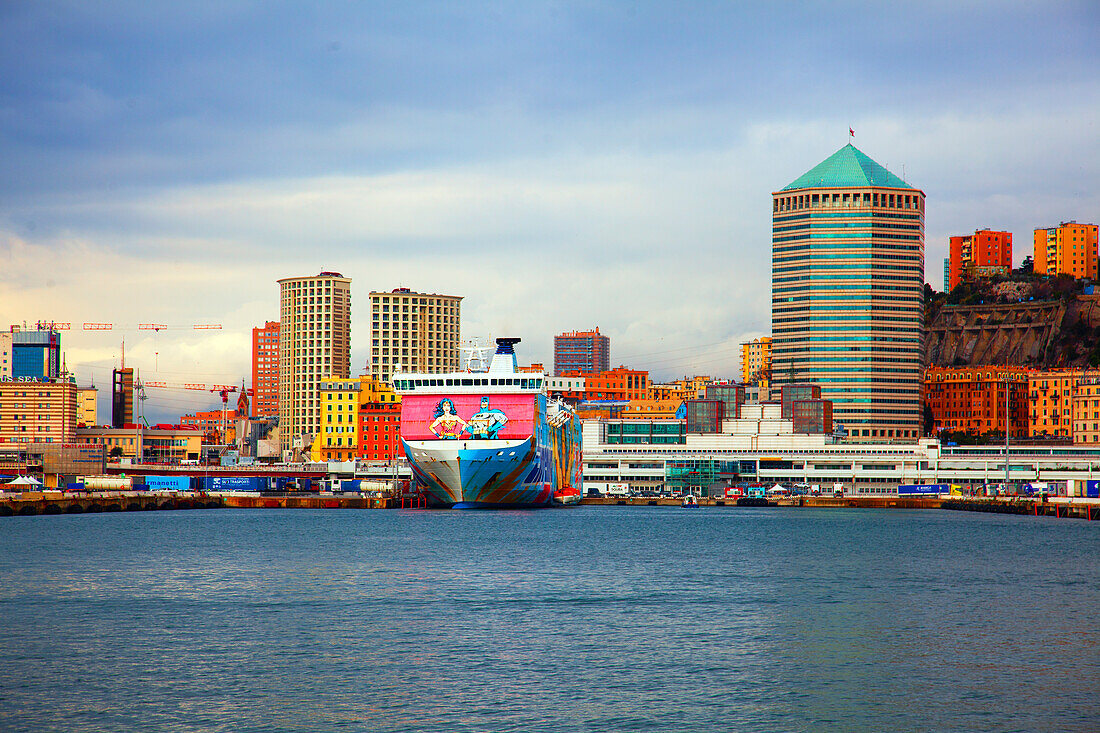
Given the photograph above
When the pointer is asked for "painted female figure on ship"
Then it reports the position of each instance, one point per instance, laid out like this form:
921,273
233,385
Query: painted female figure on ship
447,424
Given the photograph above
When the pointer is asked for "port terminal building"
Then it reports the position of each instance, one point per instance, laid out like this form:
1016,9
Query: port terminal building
762,447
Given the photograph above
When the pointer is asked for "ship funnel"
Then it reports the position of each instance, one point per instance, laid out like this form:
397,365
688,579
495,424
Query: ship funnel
505,358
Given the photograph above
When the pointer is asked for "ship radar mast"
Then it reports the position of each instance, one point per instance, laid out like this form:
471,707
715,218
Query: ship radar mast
474,355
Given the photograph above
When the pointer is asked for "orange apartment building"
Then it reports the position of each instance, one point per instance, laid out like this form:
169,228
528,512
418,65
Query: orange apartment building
217,427
265,370
1050,397
1085,410
38,410
972,399
618,384
1069,249
984,253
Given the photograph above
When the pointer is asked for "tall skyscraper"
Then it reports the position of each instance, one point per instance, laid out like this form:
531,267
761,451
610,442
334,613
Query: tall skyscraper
848,293
984,253
413,332
265,370
587,352
122,397
36,354
314,342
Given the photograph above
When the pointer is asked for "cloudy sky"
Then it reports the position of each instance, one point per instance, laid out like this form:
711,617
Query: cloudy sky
561,165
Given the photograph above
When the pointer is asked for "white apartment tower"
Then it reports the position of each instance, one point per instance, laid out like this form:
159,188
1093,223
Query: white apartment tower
314,342
413,332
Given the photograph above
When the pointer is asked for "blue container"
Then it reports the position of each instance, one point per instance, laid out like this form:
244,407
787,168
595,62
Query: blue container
1092,489
233,483
168,483
923,489
76,486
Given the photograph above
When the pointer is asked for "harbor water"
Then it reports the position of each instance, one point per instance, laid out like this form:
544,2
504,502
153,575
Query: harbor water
583,619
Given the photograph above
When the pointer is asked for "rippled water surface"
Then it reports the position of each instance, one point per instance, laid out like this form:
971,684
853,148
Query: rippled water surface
586,619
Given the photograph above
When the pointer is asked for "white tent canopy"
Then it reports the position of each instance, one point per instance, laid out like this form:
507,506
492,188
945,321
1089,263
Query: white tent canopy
24,481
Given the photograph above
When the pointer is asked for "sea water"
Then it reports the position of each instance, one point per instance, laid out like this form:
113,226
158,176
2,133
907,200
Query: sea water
579,619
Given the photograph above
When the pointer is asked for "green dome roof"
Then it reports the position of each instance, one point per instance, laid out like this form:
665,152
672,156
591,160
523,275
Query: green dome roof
847,167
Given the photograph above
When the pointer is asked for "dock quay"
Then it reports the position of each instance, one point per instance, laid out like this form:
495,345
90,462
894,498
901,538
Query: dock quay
55,502
1059,507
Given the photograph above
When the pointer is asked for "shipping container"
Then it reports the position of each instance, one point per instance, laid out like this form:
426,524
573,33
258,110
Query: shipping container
168,483
923,489
233,483
107,483
1092,489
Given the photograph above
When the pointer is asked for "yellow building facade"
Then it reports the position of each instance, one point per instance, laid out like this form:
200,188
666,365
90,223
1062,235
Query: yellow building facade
1069,249
338,438
87,407
756,363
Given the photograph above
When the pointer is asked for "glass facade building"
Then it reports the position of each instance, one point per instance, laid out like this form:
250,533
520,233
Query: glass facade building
848,293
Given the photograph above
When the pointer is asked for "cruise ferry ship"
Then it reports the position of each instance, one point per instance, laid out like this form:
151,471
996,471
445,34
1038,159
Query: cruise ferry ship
488,439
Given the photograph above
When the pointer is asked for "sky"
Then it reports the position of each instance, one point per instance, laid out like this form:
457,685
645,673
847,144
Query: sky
559,165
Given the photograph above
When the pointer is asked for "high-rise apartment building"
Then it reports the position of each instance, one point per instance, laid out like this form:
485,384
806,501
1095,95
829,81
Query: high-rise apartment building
983,254
1067,249
848,293
265,370
756,359
314,342
583,352
413,332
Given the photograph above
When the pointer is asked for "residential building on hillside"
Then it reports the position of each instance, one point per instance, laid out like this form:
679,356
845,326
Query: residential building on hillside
848,293
983,254
1067,249
314,343
972,399
414,332
265,370
582,352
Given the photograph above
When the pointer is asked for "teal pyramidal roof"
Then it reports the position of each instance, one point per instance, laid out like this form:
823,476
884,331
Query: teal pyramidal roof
847,167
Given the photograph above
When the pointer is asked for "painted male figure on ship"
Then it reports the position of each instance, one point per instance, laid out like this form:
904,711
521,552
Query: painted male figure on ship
486,422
